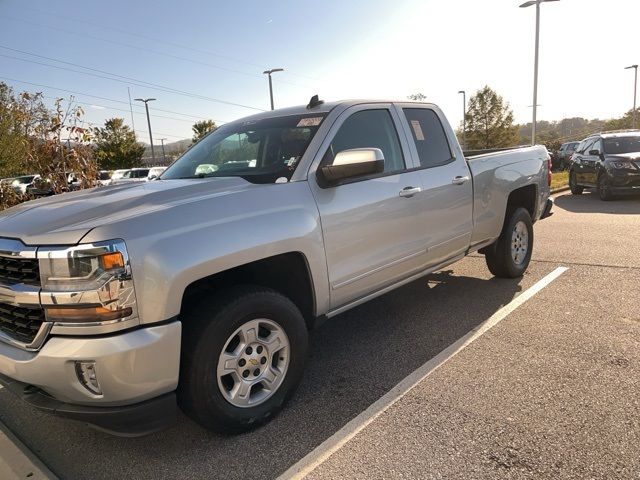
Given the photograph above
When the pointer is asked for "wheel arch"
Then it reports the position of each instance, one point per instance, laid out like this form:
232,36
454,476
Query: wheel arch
287,273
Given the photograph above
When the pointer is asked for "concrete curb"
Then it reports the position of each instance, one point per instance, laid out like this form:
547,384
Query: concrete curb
561,189
17,461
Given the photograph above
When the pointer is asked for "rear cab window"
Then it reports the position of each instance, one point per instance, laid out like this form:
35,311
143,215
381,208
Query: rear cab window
429,137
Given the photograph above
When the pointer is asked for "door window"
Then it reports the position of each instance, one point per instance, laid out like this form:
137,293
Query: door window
597,146
429,137
370,129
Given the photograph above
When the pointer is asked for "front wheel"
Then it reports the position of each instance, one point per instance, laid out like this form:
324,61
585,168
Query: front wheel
243,355
510,255
573,185
604,190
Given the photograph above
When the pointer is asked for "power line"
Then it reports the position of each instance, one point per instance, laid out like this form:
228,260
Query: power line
121,109
118,78
102,98
145,49
159,40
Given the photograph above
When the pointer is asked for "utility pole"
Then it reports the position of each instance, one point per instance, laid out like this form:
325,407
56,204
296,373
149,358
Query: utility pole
133,125
464,118
635,92
269,72
164,157
146,106
535,65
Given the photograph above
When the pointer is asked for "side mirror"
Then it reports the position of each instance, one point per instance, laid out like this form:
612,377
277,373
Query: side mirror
594,153
356,162
152,177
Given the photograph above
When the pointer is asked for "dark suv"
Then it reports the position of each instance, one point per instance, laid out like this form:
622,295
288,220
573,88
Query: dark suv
563,155
609,162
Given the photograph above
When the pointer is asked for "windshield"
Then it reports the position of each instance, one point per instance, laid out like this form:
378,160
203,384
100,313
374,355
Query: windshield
617,145
260,151
118,174
27,179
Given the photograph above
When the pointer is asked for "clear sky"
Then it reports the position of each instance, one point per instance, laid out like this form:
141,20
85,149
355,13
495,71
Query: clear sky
336,48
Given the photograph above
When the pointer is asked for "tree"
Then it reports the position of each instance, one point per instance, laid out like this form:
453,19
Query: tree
200,129
22,118
489,122
116,145
418,97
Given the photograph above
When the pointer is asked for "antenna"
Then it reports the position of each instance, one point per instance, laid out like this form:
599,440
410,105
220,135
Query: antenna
314,102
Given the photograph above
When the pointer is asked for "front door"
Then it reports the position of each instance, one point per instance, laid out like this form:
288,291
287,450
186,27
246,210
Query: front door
371,228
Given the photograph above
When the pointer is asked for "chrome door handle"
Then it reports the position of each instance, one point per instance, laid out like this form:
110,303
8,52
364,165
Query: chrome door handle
408,192
459,180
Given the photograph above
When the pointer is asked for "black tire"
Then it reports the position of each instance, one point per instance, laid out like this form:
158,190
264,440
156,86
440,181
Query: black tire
207,325
604,190
573,186
499,257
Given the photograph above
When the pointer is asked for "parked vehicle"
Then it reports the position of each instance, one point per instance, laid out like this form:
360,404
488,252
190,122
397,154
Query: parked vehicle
21,184
104,177
609,162
131,176
155,172
563,156
117,175
203,286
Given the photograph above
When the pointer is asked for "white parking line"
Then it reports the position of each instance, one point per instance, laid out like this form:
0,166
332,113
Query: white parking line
332,444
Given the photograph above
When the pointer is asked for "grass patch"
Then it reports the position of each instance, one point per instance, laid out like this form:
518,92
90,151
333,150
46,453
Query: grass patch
559,180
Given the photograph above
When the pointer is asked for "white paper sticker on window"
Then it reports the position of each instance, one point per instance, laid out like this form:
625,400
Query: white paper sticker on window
417,130
309,122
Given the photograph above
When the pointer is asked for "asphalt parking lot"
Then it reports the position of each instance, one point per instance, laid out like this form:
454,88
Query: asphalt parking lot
550,392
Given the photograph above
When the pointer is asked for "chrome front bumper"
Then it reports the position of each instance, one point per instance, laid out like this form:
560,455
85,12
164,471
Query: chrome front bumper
131,367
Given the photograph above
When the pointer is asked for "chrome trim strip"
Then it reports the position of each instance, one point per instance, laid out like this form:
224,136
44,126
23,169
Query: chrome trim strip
37,342
20,295
10,247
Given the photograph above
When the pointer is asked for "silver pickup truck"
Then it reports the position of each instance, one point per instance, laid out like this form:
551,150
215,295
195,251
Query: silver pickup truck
198,289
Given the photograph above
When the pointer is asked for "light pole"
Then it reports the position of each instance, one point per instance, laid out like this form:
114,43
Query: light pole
146,106
464,118
635,91
164,157
535,67
269,72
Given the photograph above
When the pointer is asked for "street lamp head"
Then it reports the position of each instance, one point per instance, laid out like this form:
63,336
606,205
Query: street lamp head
462,91
534,2
145,100
273,70
631,66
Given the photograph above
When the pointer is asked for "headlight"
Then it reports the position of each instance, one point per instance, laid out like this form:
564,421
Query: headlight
623,164
86,283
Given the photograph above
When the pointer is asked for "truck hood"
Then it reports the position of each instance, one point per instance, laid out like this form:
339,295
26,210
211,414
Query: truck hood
65,219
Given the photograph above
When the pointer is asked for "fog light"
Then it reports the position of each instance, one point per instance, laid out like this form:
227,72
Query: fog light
86,372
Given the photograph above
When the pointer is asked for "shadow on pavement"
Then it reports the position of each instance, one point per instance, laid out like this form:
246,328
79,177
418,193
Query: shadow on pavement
589,202
355,358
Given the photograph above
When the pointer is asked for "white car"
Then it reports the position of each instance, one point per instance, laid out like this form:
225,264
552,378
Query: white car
131,176
117,175
20,184
155,172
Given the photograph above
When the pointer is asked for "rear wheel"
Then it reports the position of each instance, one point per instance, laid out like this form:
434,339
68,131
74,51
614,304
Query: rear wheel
243,356
573,185
604,189
509,257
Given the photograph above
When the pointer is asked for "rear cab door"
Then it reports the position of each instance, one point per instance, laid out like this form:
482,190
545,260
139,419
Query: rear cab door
447,197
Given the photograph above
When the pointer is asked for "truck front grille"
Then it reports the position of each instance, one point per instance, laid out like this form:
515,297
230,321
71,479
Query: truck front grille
19,270
20,323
